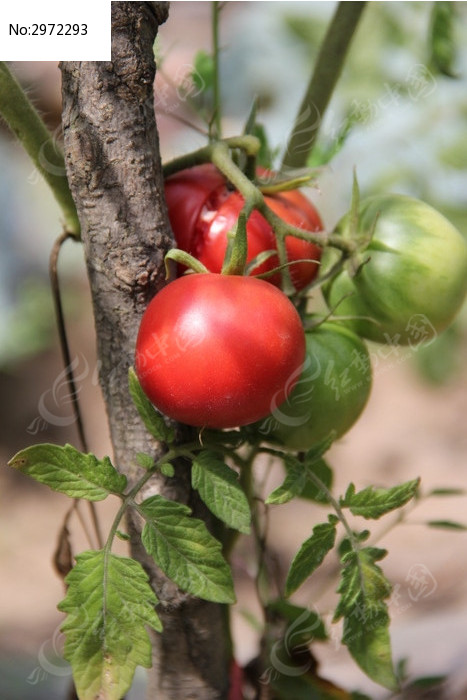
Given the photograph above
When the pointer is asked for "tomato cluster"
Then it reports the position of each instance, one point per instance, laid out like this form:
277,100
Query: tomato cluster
221,351
203,209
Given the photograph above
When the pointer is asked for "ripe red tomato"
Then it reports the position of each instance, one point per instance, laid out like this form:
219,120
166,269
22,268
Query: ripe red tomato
203,209
219,350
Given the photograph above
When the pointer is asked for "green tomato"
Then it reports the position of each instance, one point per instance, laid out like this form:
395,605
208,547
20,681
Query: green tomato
415,280
330,394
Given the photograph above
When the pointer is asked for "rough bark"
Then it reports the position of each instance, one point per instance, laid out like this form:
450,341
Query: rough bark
114,170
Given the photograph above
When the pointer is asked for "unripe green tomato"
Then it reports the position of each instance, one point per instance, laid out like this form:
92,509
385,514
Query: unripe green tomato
415,280
330,394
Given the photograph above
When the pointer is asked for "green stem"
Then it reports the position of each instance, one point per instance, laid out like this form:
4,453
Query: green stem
219,154
128,500
326,73
38,142
217,130
249,144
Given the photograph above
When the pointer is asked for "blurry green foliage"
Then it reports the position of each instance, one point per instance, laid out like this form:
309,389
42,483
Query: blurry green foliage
442,40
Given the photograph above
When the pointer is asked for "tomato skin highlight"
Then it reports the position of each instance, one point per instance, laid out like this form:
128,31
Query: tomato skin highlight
416,278
331,393
218,350
203,208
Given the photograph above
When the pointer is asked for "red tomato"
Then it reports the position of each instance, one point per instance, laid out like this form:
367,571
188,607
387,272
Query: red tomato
219,350
203,209
186,192
209,244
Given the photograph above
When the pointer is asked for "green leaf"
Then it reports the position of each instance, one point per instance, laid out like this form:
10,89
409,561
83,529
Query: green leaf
168,470
373,503
366,635
185,551
144,460
293,484
447,525
307,624
446,492
310,555
69,471
218,486
428,682
203,71
442,44
109,603
360,574
266,153
364,588
312,491
152,419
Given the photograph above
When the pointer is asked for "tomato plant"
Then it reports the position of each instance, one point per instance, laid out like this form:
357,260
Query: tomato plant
219,350
330,394
203,208
414,279
228,351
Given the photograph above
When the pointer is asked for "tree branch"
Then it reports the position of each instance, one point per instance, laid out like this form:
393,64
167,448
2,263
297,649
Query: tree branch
113,164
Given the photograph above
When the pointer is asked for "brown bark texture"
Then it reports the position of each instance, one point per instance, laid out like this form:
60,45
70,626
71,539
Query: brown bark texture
114,169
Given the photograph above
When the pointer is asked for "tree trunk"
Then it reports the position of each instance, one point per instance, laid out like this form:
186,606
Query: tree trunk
114,170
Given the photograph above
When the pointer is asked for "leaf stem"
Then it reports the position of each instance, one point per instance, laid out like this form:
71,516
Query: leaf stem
128,499
323,80
217,124
337,508
25,122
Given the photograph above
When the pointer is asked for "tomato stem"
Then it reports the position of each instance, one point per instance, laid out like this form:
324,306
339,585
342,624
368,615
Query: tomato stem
216,131
323,80
219,154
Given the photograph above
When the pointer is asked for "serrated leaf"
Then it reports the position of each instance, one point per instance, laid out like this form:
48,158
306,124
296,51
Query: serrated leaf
366,635
364,589
109,604
292,485
218,487
372,503
360,573
69,471
310,555
312,491
185,551
152,419
447,525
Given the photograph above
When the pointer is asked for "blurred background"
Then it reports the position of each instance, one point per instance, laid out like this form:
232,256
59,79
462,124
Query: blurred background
402,123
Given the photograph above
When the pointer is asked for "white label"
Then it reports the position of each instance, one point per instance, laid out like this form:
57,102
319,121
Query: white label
55,31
